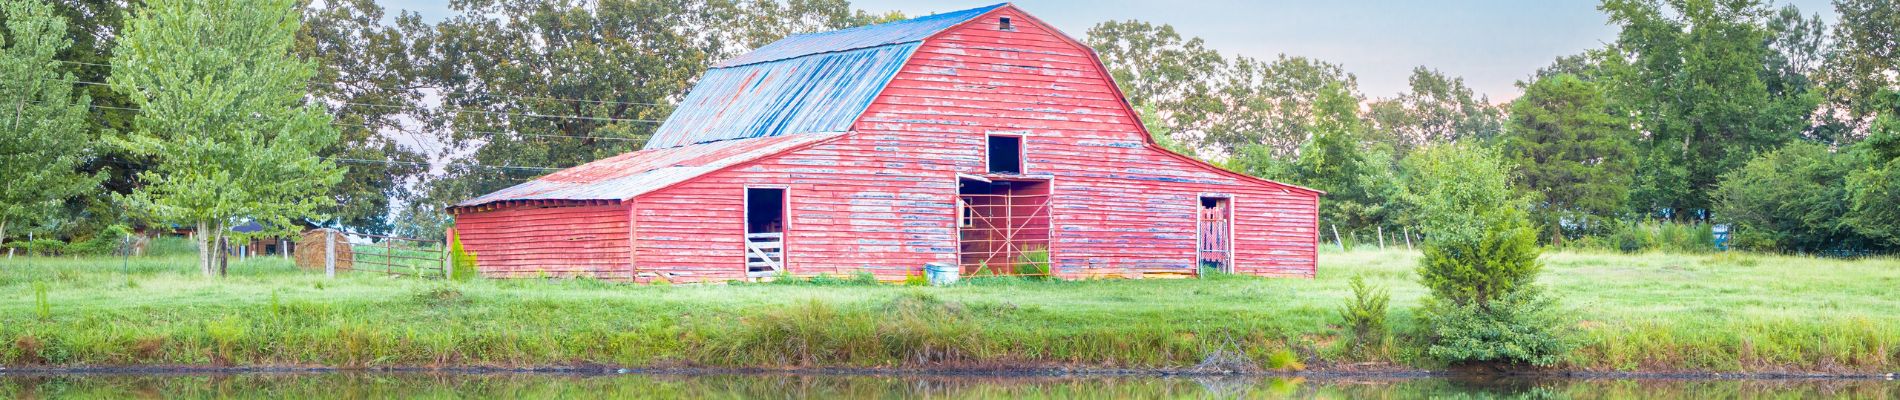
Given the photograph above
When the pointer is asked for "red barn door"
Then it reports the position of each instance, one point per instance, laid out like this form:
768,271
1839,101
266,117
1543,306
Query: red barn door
1216,248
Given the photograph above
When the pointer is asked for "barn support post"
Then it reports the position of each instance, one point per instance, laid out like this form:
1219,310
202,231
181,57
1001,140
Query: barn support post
1341,243
329,253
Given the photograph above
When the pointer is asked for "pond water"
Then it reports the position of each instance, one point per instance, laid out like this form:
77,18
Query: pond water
803,386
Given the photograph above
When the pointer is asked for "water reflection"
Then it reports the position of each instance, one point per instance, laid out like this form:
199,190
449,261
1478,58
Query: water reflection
799,386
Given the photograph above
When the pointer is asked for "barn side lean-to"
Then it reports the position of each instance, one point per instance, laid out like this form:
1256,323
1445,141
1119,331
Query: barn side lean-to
982,138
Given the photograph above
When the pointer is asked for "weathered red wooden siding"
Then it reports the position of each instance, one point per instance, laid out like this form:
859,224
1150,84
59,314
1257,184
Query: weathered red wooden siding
557,240
883,199
1120,204
848,210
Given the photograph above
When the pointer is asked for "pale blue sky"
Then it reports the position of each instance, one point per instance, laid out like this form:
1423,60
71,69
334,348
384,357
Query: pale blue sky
1491,43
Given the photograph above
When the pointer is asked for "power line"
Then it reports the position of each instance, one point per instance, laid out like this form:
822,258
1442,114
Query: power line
504,167
405,131
637,103
458,110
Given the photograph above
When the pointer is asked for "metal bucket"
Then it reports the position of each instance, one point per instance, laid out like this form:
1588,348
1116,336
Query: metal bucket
941,274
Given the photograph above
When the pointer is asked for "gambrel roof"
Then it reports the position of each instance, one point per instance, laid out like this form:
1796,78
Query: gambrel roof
814,82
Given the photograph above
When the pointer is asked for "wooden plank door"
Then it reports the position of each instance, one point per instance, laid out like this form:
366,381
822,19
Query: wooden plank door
1215,234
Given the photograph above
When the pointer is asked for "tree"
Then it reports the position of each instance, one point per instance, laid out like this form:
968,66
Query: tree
1703,79
1161,71
1276,104
366,78
1480,261
526,85
223,111
1570,153
1359,185
1874,188
1439,109
1792,198
45,139
1866,58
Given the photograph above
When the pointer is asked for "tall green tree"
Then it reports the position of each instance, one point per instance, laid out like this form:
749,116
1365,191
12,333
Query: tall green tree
45,139
1703,79
529,84
223,111
1176,77
1571,155
1438,109
1865,60
366,78
1874,188
1359,184
1276,104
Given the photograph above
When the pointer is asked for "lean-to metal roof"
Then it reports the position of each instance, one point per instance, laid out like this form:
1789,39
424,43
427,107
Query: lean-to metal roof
628,175
814,82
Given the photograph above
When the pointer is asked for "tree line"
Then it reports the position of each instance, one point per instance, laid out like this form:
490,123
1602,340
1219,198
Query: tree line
1700,111
199,114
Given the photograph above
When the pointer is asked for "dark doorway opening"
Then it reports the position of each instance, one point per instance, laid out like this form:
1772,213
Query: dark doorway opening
765,231
1006,154
1004,227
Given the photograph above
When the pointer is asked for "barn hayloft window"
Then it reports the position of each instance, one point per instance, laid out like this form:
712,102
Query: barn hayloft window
1003,24
1006,154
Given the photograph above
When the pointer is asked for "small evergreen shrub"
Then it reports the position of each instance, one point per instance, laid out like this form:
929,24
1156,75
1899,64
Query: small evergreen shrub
1520,328
1501,261
1364,315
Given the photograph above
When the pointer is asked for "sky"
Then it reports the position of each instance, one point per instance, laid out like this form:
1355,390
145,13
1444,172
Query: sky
1490,43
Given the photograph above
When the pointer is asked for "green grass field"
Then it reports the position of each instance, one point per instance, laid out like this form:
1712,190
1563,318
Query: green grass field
1651,312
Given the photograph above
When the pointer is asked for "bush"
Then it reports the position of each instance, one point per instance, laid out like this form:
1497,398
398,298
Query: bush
462,263
1521,328
1637,237
1480,262
107,241
1791,199
1501,261
1364,315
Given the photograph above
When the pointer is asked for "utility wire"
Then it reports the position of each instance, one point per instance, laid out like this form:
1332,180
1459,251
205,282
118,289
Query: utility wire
419,141
637,103
371,126
459,110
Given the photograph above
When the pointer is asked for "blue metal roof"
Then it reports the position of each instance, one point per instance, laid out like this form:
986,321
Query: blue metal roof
815,82
906,31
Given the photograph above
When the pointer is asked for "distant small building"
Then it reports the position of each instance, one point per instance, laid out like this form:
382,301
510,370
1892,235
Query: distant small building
982,138
261,246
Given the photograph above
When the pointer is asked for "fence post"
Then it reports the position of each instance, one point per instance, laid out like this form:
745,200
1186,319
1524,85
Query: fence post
1381,230
1342,244
329,253
448,259
1408,237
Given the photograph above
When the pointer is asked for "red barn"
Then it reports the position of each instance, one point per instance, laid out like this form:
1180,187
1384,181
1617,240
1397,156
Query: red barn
983,138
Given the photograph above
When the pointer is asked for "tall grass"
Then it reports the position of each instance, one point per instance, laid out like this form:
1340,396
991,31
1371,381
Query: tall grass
1654,311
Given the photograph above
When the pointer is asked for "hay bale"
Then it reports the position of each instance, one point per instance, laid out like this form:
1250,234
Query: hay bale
310,249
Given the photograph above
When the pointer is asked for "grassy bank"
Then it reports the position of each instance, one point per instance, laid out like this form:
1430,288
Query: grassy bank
1654,312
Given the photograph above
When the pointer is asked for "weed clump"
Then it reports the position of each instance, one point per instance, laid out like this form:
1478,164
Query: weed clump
440,296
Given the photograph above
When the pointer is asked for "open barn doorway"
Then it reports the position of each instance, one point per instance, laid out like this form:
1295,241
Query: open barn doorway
1003,227
764,231
1216,234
